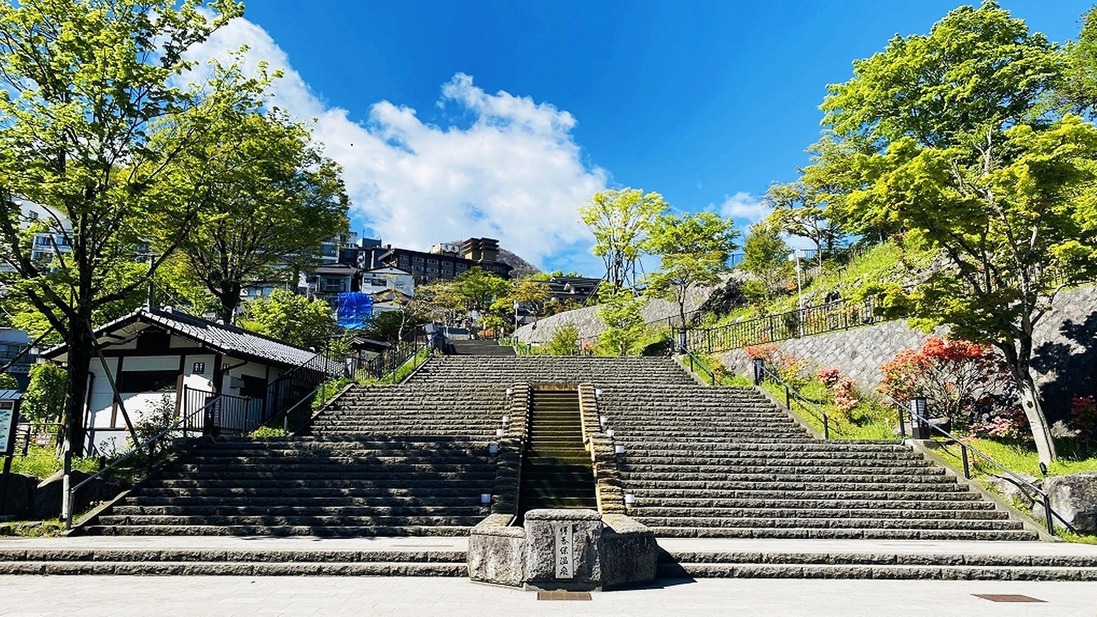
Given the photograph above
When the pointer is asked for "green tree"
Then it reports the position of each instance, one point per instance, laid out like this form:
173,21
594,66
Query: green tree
799,209
44,399
528,293
621,313
292,318
92,96
8,382
964,156
276,200
765,255
391,326
620,221
693,252
564,341
479,288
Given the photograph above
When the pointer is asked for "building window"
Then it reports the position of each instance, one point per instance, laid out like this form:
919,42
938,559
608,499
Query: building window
133,382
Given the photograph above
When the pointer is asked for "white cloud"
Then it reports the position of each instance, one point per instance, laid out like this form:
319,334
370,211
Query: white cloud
515,174
744,208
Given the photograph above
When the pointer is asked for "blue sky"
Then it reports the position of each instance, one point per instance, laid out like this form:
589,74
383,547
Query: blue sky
454,119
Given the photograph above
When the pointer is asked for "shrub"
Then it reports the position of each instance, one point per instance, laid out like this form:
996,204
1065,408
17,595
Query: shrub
962,381
45,395
564,341
1083,414
1009,424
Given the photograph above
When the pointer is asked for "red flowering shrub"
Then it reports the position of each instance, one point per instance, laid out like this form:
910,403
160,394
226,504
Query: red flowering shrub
961,380
845,395
1009,424
1083,414
829,376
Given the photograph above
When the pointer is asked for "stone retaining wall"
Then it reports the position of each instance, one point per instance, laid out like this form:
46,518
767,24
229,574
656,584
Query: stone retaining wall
1064,359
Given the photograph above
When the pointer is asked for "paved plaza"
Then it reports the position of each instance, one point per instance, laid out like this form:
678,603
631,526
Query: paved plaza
88,596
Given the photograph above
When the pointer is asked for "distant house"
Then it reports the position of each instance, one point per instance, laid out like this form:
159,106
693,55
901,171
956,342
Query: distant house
13,347
225,379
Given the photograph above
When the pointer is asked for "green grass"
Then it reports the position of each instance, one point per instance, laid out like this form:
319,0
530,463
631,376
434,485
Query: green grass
1022,459
42,462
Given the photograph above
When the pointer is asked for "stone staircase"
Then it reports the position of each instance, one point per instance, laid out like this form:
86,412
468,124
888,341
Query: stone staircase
704,464
309,486
726,463
556,468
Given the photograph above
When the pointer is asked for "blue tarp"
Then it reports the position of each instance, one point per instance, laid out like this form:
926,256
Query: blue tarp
355,310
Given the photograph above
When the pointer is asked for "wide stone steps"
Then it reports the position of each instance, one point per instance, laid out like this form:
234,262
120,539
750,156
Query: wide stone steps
323,531
218,567
219,562
697,505
882,510
293,520
471,508
800,532
379,480
849,565
308,491
663,495
786,473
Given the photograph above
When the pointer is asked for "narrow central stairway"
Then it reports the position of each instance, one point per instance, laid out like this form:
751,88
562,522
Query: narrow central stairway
556,470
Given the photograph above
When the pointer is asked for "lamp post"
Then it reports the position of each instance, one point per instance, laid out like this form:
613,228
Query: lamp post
795,257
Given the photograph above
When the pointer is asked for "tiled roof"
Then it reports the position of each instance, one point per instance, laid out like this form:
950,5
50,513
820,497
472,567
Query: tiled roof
228,340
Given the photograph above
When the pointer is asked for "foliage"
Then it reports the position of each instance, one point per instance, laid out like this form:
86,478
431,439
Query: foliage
42,462
619,220
799,211
94,97
155,420
1083,416
264,432
946,135
8,382
392,326
44,399
1004,424
764,256
693,251
620,311
276,199
479,288
960,380
564,341
291,318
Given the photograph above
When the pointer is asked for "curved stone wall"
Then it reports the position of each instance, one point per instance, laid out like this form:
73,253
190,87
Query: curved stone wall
1064,358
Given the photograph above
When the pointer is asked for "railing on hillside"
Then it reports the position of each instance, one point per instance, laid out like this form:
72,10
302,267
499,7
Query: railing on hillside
817,319
763,374
923,428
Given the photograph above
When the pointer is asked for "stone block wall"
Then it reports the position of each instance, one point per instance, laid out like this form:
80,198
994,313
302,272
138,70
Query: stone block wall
1064,358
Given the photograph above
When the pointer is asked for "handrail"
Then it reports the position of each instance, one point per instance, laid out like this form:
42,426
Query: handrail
183,421
760,374
695,361
965,448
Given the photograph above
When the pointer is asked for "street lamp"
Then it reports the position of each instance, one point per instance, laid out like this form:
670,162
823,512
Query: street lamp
795,257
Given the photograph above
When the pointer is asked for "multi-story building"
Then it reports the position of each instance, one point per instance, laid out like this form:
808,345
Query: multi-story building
442,263
12,344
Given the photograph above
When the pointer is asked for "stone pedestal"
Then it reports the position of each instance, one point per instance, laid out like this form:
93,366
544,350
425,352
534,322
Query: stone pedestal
571,550
563,550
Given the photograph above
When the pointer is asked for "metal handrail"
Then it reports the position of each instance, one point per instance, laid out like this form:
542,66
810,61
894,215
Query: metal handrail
695,361
760,374
965,448
144,446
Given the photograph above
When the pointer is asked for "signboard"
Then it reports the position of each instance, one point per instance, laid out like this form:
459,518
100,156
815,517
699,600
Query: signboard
7,425
565,550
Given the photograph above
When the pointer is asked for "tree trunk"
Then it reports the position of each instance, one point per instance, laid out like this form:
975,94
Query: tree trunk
229,298
1030,400
80,352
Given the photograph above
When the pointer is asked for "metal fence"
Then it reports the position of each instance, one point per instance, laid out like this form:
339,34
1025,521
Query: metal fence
828,317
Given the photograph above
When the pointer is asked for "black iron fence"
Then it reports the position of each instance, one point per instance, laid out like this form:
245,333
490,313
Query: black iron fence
828,317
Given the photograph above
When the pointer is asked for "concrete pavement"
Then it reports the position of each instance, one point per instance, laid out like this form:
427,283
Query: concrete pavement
93,596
